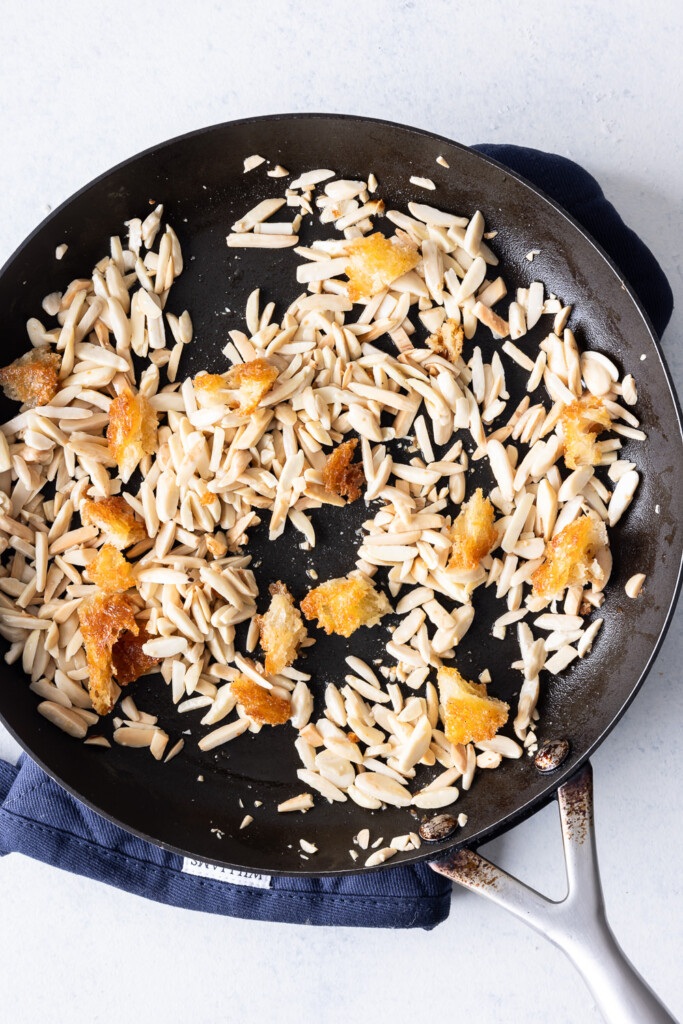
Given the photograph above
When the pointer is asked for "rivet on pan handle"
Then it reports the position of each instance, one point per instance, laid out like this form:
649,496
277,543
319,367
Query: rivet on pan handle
577,924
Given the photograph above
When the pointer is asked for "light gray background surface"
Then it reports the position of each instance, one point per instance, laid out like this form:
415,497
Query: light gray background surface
86,85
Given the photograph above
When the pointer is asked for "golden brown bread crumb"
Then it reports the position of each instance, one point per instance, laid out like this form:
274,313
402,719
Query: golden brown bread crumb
210,386
115,518
132,431
103,618
33,379
281,629
341,475
344,604
264,707
216,545
473,533
582,421
252,380
242,387
374,262
110,571
468,714
569,558
128,658
447,341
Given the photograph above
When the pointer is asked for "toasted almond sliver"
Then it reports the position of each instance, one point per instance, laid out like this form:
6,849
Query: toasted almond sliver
251,162
635,584
302,803
434,798
310,178
380,856
381,787
165,647
422,182
128,737
250,240
223,734
64,718
322,785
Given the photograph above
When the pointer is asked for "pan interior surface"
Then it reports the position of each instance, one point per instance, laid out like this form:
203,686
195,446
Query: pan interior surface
195,803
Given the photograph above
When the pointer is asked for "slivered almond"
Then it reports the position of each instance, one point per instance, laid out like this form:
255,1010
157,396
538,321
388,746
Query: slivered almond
250,240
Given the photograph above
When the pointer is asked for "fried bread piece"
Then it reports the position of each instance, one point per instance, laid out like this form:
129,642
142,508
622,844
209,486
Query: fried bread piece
343,605
132,431
341,475
110,571
33,379
582,421
376,261
116,520
570,558
261,705
473,533
242,387
103,618
128,658
281,629
447,341
468,714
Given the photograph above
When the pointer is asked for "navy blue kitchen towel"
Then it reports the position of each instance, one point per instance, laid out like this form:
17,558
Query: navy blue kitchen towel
40,819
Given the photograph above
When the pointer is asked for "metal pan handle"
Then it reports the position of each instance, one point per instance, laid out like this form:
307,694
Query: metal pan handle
577,924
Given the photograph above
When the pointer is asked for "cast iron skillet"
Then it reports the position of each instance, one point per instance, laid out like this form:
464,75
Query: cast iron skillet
199,178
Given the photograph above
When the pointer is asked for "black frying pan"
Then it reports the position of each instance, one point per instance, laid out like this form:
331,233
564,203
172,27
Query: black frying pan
199,178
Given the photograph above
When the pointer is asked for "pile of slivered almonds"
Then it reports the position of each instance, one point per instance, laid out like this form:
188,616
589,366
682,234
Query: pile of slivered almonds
103,581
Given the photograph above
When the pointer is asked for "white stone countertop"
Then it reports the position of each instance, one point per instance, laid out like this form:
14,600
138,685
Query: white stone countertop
86,85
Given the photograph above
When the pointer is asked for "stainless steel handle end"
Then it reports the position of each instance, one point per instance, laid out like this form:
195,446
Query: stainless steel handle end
577,924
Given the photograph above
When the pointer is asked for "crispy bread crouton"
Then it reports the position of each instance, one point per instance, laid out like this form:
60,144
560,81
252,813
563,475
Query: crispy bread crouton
374,262
242,387
570,558
341,475
252,380
115,518
33,379
110,571
103,618
468,714
129,659
473,533
447,341
344,604
261,705
582,421
132,431
281,629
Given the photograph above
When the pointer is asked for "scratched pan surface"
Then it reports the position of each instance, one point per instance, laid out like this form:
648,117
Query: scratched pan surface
200,180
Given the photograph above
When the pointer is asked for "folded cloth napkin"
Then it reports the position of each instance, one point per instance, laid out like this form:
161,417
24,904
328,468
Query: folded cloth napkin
40,819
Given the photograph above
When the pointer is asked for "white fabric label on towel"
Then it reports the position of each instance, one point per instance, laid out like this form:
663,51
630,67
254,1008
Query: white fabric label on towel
218,874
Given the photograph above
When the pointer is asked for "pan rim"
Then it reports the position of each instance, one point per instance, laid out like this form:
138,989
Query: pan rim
525,810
